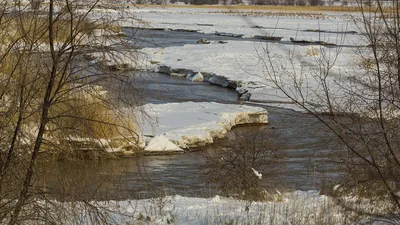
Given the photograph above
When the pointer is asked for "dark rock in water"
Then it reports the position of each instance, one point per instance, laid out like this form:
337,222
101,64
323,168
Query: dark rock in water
153,28
184,72
243,94
164,69
300,41
245,97
267,38
205,24
207,75
257,27
333,32
228,34
189,76
232,84
178,75
218,80
325,43
314,30
311,42
185,30
203,41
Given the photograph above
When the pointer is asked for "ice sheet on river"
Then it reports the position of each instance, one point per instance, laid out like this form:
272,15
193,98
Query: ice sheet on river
300,25
174,126
248,64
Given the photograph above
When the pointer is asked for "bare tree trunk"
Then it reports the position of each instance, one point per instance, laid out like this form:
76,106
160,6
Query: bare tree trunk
43,122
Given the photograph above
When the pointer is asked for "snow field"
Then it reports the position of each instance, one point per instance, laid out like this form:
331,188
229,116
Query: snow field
285,26
249,63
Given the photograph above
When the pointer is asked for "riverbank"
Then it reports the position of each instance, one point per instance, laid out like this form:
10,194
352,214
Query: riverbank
233,64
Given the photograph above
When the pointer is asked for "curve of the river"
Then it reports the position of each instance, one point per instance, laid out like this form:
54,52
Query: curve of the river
307,144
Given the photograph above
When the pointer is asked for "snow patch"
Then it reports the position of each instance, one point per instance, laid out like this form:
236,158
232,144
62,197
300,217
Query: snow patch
161,143
194,124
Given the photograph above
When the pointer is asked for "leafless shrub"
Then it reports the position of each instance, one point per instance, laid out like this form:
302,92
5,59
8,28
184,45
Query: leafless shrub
51,97
362,109
240,166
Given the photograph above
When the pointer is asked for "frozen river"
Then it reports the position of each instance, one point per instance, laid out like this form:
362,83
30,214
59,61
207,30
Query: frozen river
305,141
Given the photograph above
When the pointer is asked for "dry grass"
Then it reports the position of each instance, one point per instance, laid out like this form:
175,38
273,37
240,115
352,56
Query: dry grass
85,113
35,29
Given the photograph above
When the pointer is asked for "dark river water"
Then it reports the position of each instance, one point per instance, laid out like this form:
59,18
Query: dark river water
307,145
144,38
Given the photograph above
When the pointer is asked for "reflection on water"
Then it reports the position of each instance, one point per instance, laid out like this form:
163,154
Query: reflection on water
307,145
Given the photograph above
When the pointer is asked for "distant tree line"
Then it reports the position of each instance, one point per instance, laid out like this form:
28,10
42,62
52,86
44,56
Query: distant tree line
299,2
253,2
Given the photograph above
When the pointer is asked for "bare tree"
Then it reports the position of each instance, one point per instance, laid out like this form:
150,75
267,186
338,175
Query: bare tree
51,97
362,107
240,165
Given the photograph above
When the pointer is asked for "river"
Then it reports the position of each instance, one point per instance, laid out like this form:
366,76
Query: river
306,143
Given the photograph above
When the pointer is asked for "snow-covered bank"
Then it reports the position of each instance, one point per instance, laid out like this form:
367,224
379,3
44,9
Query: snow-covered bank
288,208
177,126
291,208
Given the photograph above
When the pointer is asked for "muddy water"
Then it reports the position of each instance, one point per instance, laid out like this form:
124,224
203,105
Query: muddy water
307,146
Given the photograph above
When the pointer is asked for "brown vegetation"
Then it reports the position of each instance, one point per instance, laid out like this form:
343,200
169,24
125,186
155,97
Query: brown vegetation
243,164
51,100
362,108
